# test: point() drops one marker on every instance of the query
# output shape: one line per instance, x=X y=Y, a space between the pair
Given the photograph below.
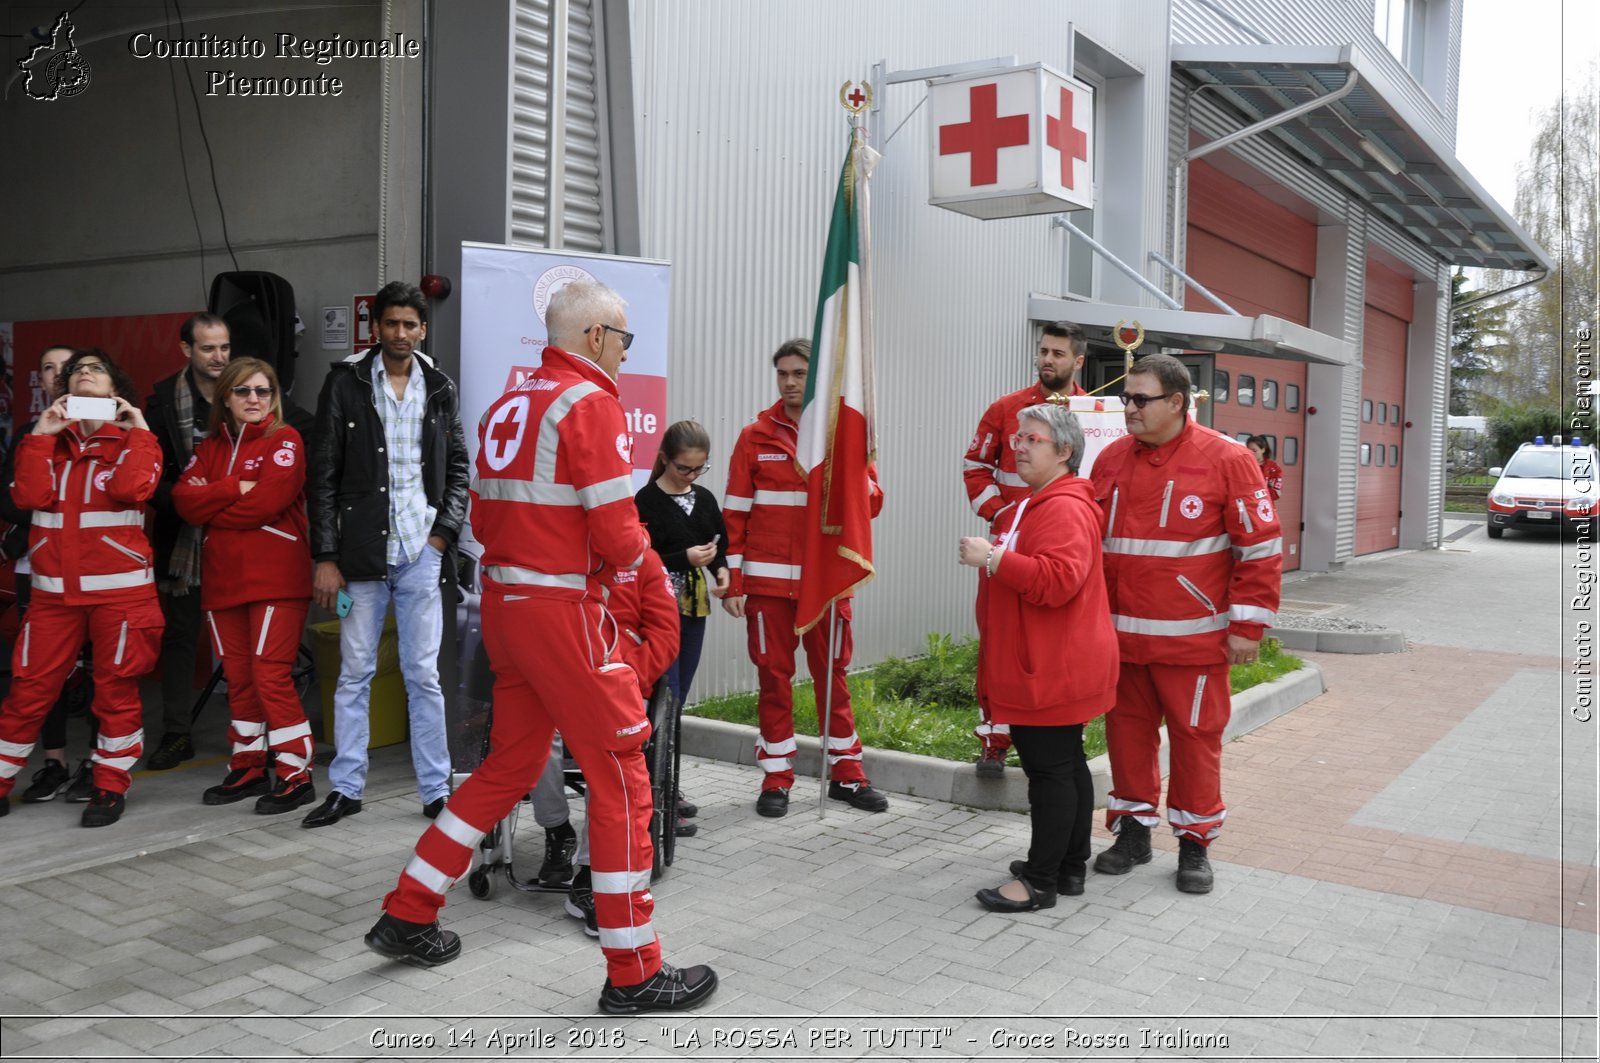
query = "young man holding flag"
x=802 y=492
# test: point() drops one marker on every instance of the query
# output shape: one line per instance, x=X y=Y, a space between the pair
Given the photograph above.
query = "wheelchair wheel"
x=663 y=760
x=479 y=882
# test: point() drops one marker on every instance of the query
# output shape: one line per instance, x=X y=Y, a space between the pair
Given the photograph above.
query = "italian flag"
x=838 y=437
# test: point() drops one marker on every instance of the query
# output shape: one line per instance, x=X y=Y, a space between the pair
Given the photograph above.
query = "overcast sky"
x=1516 y=55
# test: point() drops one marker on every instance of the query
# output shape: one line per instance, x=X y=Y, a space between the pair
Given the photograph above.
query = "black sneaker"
x=170 y=752
x=48 y=782
x=773 y=803
x=286 y=797
x=5 y=806
x=82 y=785
x=580 y=901
x=858 y=795
x=560 y=842
x=991 y=763
x=105 y=808
x=239 y=784
x=685 y=828
x=1194 y=869
x=1131 y=847
x=669 y=989
x=422 y=944
x=686 y=808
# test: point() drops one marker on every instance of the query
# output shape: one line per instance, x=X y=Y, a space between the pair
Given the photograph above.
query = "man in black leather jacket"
x=387 y=494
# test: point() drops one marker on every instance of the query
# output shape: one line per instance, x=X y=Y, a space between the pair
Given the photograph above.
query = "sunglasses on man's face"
x=1133 y=398
x=244 y=391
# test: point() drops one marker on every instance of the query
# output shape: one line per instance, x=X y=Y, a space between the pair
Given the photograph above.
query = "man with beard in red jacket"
x=552 y=506
x=990 y=472
x=1193 y=558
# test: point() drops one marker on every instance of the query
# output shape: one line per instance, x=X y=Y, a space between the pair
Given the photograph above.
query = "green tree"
x=1476 y=334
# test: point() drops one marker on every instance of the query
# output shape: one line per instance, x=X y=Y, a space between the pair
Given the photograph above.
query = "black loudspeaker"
x=259 y=310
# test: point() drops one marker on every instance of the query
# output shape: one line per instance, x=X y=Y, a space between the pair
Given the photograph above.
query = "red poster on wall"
x=145 y=345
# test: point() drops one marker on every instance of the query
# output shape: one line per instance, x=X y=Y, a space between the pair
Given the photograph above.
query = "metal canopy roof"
x=1263 y=337
x=1360 y=139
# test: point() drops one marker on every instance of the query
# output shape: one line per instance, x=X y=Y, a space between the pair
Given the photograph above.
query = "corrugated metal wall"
x=740 y=138
x=583 y=202
x=1350 y=401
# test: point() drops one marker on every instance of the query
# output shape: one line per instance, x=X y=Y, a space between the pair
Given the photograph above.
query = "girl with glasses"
x=686 y=529
x=87 y=482
x=246 y=486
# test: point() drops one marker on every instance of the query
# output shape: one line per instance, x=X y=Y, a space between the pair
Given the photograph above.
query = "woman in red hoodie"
x=1047 y=659
x=246 y=485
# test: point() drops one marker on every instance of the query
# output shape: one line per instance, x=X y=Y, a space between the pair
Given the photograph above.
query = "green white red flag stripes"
x=838 y=437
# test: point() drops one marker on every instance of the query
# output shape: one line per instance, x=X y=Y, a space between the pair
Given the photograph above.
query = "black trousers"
x=1060 y=801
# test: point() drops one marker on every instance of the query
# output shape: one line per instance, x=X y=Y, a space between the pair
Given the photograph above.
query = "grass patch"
x=928 y=705
x=1452 y=506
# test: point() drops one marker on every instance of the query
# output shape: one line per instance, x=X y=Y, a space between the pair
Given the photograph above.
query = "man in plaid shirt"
x=388 y=495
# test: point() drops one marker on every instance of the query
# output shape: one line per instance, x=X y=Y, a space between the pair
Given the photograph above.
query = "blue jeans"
x=692 y=631
x=414 y=588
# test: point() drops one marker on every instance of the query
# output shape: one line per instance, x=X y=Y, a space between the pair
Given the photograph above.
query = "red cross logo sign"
x=984 y=133
x=502 y=437
x=1070 y=141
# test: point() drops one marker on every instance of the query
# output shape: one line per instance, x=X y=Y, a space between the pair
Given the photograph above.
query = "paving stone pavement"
x=1392 y=883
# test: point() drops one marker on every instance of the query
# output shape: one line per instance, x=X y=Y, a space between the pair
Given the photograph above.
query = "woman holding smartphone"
x=246 y=486
x=86 y=470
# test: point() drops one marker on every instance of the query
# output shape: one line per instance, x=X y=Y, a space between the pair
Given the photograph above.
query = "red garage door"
x=1258 y=257
x=1383 y=391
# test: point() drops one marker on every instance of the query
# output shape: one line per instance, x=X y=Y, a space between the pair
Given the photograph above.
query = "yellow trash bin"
x=387 y=699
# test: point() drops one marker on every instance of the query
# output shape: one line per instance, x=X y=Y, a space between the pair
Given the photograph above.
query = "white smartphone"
x=88 y=408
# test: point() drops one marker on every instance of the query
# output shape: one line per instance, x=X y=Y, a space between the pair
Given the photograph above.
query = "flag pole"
x=827 y=715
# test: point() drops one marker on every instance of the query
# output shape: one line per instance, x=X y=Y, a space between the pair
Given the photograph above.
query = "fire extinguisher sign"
x=365 y=334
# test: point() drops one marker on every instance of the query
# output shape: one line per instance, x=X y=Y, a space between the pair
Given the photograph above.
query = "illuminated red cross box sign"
x=1012 y=142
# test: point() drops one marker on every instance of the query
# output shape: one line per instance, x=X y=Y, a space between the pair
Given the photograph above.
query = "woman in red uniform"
x=246 y=485
x=87 y=481
x=1047 y=659
x=1271 y=471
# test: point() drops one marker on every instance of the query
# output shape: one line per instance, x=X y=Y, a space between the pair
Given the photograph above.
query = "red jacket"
x=1193 y=551
x=1272 y=472
x=1048 y=654
x=552 y=492
x=257 y=547
x=765 y=507
x=646 y=610
x=87 y=495
x=990 y=467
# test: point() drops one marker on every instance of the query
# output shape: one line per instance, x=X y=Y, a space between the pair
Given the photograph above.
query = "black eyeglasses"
x=627 y=337
x=1131 y=398
x=244 y=391
x=691 y=470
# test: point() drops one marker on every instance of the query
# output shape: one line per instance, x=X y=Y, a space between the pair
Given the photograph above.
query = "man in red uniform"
x=1193 y=559
x=552 y=506
x=990 y=472
x=765 y=508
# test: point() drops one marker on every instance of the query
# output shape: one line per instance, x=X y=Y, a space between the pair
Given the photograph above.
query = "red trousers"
x=127 y=642
x=257 y=643
x=769 y=626
x=1194 y=701
x=551 y=673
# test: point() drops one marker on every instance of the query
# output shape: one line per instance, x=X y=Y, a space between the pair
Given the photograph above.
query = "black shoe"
x=239 y=784
x=1194 y=869
x=773 y=803
x=433 y=808
x=105 y=808
x=336 y=807
x=687 y=809
x=5 y=806
x=82 y=785
x=286 y=797
x=171 y=751
x=560 y=843
x=995 y=901
x=669 y=989
x=580 y=901
x=858 y=795
x=48 y=782
x=684 y=828
x=1131 y=847
x=1067 y=886
x=422 y=944
x=991 y=763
